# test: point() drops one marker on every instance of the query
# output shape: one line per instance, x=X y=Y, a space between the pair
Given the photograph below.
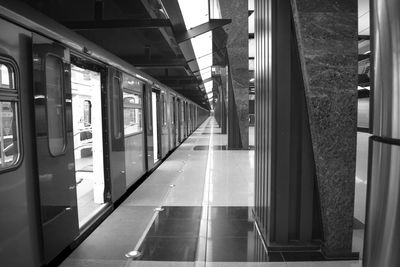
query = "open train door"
x=54 y=145
x=116 y=134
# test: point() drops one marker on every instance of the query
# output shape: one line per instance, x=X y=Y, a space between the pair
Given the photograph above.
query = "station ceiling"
x=141 y=32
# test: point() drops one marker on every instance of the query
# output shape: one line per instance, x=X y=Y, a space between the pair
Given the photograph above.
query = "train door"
x=182 y=119
x=186 y=120
x=135 y=150
x=19 y=218
x=164 y=125
x=190 y=119
x=87 y=81
x=174 y=122
x=178 y=120
x=147 y=99
x=116 y=154
x=156 y=110
x=54 y=145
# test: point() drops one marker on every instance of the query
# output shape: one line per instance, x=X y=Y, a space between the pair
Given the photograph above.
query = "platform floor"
x=205 y=194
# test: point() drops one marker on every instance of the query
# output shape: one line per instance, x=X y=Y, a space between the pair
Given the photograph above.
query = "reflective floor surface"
x=194 y=210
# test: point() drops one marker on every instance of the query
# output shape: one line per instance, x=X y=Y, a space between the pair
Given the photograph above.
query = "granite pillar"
x=220 y=38
x=326 y=33
x=238 y=77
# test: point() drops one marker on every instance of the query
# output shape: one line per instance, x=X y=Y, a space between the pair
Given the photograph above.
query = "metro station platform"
x=195 y=209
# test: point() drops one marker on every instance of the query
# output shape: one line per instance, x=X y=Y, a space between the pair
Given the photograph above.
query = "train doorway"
x=155 y=98
x=88 y=141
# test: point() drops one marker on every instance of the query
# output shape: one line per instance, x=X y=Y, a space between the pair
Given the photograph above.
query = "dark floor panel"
x=274 y=256
x=169 y=249
x=231 y=213
x=115 y=236
x=357 y=225
x=234 y=249
x=303 y=256
x=174 y=228
x=208 y=147
x=181 y=234
x=193 y=213
x=230 y=228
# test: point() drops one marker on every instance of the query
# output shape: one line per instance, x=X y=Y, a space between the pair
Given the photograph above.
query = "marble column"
x=326 y=33
x=237 y=50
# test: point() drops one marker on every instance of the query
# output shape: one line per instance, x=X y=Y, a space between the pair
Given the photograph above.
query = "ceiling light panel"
x=194 y=12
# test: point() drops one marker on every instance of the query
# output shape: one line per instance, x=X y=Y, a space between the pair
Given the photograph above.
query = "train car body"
x=78 y=128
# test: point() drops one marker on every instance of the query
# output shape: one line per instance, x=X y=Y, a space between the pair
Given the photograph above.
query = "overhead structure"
x=153 y=35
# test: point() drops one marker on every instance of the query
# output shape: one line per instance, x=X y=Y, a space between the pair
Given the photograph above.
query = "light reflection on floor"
x=231 y=183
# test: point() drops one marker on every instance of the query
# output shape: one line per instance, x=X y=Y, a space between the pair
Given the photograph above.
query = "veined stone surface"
x=327 y=38
x=238 y=53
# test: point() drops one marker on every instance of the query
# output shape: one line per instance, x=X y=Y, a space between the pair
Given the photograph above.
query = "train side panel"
x=20 y=242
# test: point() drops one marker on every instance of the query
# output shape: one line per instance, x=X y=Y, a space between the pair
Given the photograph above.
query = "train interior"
x=8 y=138
x=133 y=128
x=88 y=141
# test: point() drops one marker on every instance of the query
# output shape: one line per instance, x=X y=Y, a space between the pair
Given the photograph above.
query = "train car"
x=78 y=128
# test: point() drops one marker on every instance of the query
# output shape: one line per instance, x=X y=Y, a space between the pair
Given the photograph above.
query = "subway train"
x=78 y=128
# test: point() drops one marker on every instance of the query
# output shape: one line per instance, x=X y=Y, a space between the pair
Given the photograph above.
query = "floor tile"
x=231 y=249
x=326 y=264
x=164 y=264
x=93 y=263
x=181 y=213
x=246 y=264
x=174 y=228
x=235 y=213
x=302 y=256
x=230 y=228
x=123 y=229
x=169 y=249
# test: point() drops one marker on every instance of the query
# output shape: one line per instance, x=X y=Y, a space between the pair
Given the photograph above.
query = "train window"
x=87 y=113
x=55 y=104
x=6 y=77
x=164 y=110
x=132 y=113
x=116 y=108
x=9 y=142
x=171 y=105
x=9 y=131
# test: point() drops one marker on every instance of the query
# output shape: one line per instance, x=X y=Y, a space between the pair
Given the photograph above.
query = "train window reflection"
x=164 y=109
x=6 y=77
x=9 y=145
x=116 y=107
x=132 y=113
x=87 y=113
x=9 y=131
x=55 y=104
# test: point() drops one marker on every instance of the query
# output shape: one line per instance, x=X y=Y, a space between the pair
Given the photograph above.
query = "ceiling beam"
x=154 y=10
x=177 y=78
x=208 y=80
x=183 y=83
x=364 y=37
x=191 y=86
x=178 y=25
x=156 y=63
x=363 y=56
x=203 y=28
x=111 y=24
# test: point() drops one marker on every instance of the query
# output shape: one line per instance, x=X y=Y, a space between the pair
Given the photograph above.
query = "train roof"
x=25 y=16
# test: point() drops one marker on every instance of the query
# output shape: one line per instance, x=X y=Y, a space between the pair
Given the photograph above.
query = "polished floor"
x=194 y=210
